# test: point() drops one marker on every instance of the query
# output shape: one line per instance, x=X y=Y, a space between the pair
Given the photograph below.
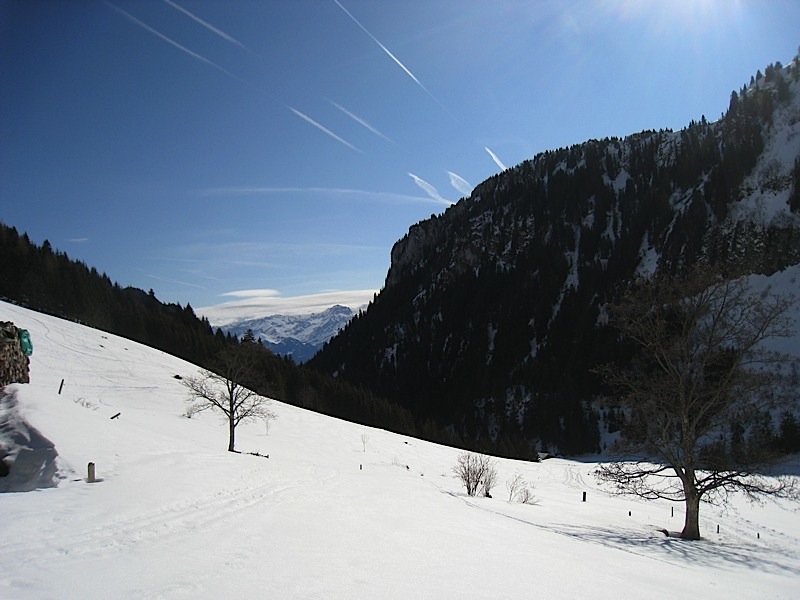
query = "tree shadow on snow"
x=704 y=552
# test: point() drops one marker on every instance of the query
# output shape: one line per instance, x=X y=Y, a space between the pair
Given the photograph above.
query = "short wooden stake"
x=671 y=511
x=90 y=478
x=61 y=387
x=717 y=528
x=758 y=536
x=584 y=496
x=629 y=513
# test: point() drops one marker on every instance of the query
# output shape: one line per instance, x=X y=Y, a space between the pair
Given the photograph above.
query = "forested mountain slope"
x=491 y=318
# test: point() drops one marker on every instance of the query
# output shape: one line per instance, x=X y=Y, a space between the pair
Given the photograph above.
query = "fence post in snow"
x=61 y=387
x=90 y=478
x=584 y=496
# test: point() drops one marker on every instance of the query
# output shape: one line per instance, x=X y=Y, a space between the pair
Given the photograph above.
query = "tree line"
x=47 y=280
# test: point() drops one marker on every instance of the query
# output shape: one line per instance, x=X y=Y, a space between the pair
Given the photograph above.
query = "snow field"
x=176 y=516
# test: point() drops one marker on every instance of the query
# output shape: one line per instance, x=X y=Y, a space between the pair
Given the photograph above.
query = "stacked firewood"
x=13 y=362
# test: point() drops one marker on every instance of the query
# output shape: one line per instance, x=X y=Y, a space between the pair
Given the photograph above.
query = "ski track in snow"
x=177 y=519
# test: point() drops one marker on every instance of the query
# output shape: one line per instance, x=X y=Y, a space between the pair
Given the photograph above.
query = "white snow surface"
x=176 y=516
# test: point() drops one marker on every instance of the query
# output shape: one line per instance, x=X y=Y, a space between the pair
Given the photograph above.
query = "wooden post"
x=584 y=496
x=671 y=511
x=61 y=387
x=717 y=528
x=90 y=478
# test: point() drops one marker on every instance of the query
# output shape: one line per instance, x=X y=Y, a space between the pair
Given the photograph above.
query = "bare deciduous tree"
x=514 y=485
x=519 y=490
x=476 y=471
x=489 y=478
x=223 y=390
x=699 y=376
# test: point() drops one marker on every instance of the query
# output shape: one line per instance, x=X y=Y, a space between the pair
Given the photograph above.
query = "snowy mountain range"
x=336 y=511
x=296 y=336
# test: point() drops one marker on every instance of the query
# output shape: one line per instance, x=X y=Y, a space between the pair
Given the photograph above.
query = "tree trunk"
x=691 y=526
x=231 y=435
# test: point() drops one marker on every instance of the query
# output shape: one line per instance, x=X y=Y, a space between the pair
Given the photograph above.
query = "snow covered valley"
x=328 y=514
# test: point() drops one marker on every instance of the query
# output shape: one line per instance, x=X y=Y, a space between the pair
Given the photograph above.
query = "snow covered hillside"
x=326 y=515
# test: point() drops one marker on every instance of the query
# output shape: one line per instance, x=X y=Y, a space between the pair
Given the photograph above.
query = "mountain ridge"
x=490 y=318
x=296 y=336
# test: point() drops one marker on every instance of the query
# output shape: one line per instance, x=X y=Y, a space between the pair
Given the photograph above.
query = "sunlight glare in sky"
x=289 y=145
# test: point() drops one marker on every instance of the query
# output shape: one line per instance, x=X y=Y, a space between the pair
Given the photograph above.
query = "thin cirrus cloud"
x=429 y=189
x=361 y=121
x=323 y=129
x=323 y=191
x=251 y=304
x=172 y=42
x=461 y=185
x=395 y=59
x=171 y=280
x=207 y=25
x=496 y=160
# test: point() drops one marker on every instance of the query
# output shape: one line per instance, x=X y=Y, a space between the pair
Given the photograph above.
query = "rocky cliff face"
x=491 y=319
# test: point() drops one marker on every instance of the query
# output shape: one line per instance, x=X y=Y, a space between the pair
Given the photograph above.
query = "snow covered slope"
x=326 y=516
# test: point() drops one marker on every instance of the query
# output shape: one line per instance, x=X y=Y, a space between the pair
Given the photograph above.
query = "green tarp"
x=25 y=342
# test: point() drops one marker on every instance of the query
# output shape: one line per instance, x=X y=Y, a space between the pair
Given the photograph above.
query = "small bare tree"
x=514 y=485
x=476 y=471
x=699 y=376
x=489 y=478
x=364 y=440
x=223 y=390
x=519 y=490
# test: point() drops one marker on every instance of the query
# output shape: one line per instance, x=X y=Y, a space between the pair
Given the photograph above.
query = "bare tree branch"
x=698 y=379
x=224 y=390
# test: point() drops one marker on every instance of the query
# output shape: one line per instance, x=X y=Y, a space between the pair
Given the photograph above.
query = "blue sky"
x=209 y=149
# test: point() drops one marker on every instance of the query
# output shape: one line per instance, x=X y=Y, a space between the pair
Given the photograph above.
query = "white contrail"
x=395 y=59
x=207 y=25
x=429 y=189
x=184 y=49
x=333 y=192
x=322 y=128
x=360 y=121
x=496 y=160
x=460 y=184
x=170 y=280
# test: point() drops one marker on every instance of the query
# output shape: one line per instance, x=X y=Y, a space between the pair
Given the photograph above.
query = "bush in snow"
x=520 y=490
x=476 y=471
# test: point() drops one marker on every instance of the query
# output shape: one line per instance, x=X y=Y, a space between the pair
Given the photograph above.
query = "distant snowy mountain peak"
x=297 y=336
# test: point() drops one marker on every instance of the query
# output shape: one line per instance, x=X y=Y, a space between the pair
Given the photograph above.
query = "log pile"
x=13 y=362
